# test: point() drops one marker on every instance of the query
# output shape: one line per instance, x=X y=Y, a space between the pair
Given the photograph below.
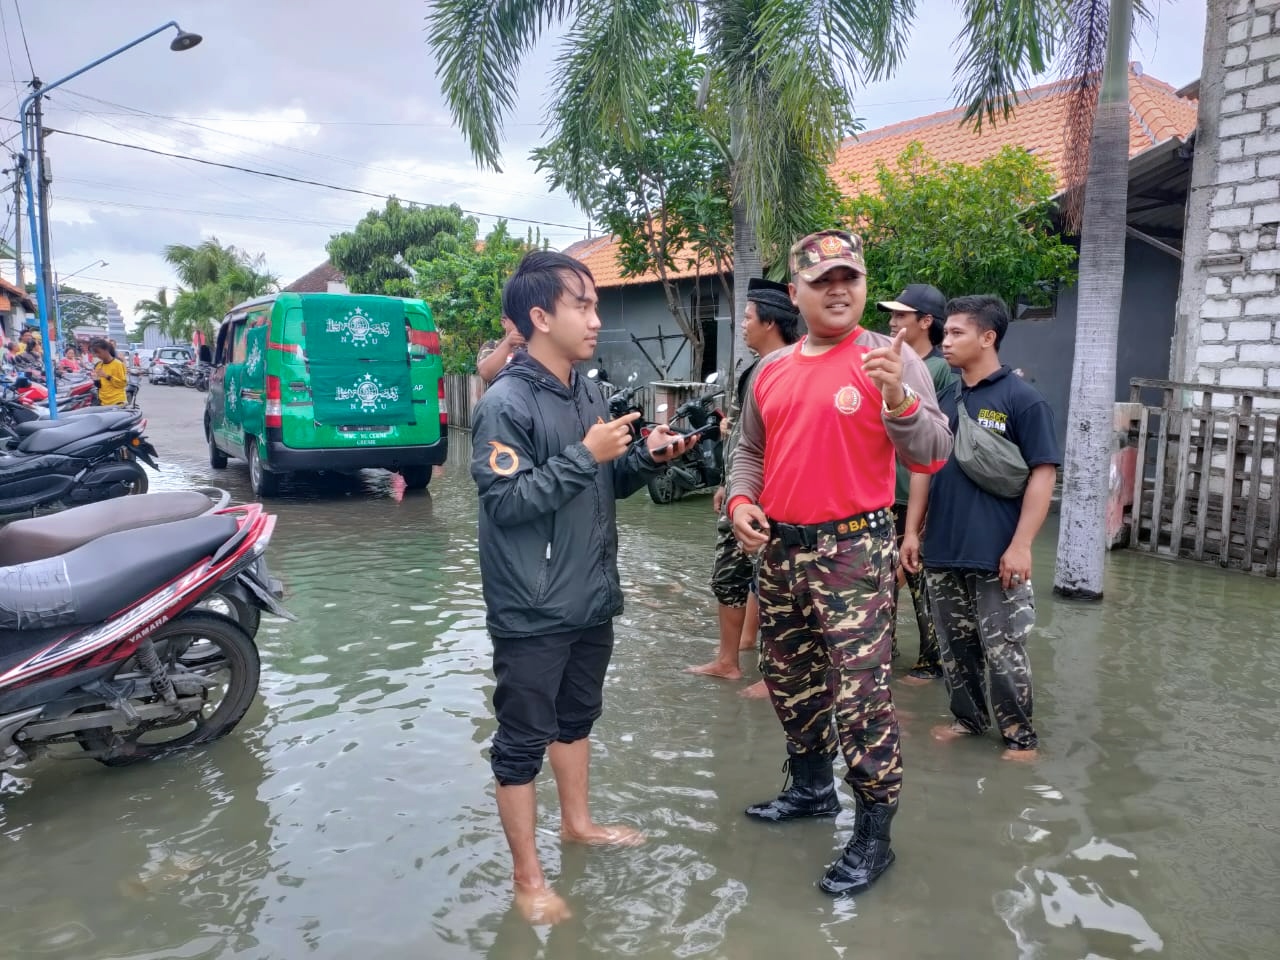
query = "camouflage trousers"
x=929 y=658
x=826 y=624
x=982 y=632
x=734 y=571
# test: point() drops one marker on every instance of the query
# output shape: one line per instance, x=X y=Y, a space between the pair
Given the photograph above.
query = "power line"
x=13 y=73
x=358 y=164
x=303 y=180
x=23 y=28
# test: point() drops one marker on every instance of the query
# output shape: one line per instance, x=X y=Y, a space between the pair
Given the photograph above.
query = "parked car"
x=335 y=382
x=169 y=356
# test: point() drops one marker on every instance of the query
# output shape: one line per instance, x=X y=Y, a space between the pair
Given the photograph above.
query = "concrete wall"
x=1229 y=313
x=641 y=310
x=1045 y=349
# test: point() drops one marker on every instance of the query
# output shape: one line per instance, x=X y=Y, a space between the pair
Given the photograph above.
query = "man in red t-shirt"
x=813 y=487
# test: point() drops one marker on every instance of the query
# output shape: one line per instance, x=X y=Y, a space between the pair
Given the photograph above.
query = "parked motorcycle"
x=102 y=647
x=623 y=401
x=196 y=374
x=167 y=374
x=54 y=534
x=700 y=467
x=80 y=459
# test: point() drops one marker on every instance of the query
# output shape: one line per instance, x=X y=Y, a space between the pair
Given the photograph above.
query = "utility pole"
x=42 y=186
x=17 y=226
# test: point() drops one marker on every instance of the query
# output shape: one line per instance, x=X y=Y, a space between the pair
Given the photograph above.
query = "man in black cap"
x=770 y=322
x=919 y=310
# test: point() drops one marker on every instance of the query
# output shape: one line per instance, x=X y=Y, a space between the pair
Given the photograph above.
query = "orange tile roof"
x=1156 y=113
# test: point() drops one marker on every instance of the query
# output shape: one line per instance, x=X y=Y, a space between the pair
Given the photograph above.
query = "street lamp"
x=182 y=41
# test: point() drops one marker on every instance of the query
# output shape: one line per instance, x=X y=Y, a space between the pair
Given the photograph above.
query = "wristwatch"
x=908 y=398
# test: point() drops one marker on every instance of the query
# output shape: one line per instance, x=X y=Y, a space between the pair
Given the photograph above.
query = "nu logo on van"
x=358 y=328
x=368 y=394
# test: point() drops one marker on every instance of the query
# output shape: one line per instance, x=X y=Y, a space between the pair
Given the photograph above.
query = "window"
x=223 y=349
x=240 y=338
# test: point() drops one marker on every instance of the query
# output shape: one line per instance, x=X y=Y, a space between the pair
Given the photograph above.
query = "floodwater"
x=351 y=815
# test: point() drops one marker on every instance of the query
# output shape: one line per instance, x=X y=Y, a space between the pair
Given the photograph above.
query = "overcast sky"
x=325 y=90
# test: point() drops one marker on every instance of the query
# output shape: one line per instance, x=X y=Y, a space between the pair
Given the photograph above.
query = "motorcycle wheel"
x=141 y=484
x=248 y=616
x=205 y=644
x=662 y=489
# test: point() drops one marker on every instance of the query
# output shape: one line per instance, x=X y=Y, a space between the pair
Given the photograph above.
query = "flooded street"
x=351 y=814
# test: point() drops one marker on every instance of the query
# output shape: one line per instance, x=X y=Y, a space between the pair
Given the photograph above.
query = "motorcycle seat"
x=91 y=583
x=57 y=533
x=58 y=435
x=114 y=418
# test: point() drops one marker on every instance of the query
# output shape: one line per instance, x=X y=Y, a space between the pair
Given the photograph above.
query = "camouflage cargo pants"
x=982 y=632
x=826 y=623
x=929 y=658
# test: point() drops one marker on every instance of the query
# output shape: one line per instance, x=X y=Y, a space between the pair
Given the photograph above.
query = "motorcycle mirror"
x=713 y=377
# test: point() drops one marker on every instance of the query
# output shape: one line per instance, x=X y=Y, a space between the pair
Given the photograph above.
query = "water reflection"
x=352 y=815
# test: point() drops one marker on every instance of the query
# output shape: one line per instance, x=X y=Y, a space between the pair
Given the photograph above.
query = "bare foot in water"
x=1021 y=756
x=725 y=671
x=540 y=905
x=757 y=691
x=946 y=732
x=599 y=835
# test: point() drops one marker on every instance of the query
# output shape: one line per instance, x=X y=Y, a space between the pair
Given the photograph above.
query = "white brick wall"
x=1238 y=341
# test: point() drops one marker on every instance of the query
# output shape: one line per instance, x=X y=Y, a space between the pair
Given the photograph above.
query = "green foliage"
x=965 y=229
x=156 y=313
x=214 y=278
x=77 y=307
x=377 y=255
x=463 y=287
x=660 y=182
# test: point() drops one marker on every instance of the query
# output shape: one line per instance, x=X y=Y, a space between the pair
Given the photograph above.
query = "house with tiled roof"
x=1161 y=123
x=325 y=278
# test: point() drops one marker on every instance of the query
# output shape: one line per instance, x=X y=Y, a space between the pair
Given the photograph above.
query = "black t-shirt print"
x=967 y=527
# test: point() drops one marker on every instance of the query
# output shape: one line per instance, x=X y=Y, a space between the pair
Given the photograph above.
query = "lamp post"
x=57 y=297
x=39 y=244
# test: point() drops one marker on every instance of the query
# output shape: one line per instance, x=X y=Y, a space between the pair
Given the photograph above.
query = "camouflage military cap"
x=825 y=250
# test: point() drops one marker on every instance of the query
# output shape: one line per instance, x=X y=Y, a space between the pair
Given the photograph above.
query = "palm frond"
x=865 y=39
x=478 y=46
x=1003 y=43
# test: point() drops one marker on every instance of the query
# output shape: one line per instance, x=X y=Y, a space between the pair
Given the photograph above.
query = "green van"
x=323 y=381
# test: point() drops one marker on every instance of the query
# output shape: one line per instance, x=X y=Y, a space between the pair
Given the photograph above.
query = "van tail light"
x=444 y=406
x=274 y=409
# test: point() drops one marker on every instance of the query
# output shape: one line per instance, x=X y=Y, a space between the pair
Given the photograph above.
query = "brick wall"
x=1229 y=310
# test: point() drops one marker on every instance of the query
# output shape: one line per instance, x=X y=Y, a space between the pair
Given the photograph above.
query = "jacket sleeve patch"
x=503 y=460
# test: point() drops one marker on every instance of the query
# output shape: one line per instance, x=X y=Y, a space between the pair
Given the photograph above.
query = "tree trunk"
x=746 y=244
x=1087 y=465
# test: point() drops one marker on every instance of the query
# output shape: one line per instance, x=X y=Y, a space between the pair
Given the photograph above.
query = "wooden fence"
x=462 y=392
x=1204 y=473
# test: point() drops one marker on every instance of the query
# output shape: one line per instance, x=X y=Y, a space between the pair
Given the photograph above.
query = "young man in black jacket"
x=549 y=467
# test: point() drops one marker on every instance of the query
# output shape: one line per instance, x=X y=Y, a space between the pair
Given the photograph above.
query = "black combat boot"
x=867 y=854
x=812 y=792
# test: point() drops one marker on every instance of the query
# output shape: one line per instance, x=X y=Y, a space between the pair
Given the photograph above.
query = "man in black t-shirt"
x=977 y=548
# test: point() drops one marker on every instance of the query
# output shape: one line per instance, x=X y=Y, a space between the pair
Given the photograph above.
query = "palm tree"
x=1099 y=48
x=215 y=279
x=783 y=72
x=156 y=313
